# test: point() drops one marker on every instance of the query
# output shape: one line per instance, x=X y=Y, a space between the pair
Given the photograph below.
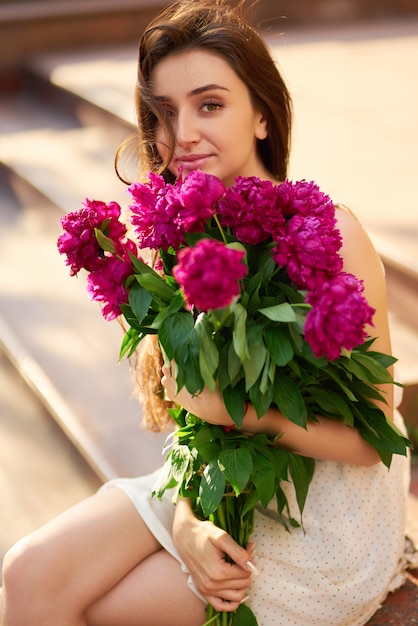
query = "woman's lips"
x=192 y=162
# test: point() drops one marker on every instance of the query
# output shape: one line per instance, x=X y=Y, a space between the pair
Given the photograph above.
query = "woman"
x=209 y=97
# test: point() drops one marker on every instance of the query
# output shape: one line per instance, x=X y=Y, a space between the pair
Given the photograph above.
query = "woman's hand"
x=203 y=547
x=208 y=405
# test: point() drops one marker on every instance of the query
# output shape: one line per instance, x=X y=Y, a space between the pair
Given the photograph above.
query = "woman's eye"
x=209 y=107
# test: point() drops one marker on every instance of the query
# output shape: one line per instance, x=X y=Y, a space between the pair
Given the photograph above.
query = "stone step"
x=66 y=156
x=60 y=343
x=27 y=28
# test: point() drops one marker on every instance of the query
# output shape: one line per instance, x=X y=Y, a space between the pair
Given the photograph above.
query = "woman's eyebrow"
x=195 y=92
x=211 y=87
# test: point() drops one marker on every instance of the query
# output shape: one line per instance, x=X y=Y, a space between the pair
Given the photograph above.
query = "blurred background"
x=67 y=76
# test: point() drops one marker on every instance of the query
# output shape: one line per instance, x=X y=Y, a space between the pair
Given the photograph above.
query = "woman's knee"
x=23 y=569
x=30 y=582
x=34 y=588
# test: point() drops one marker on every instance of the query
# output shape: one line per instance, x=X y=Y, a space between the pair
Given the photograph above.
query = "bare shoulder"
x=349 y=224
x=359 y=254
x=361 y=259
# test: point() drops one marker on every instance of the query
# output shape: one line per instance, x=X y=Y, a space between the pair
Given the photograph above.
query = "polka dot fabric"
x=338 y=567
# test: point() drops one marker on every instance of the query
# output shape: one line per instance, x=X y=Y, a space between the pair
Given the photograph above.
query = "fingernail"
x=245 y=599
x=252 y=568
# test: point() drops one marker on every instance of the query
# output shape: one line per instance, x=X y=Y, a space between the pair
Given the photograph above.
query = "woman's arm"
x=361 y=259
x=327 y=439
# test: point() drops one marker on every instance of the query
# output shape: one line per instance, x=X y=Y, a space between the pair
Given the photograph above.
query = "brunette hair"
x=218 y=27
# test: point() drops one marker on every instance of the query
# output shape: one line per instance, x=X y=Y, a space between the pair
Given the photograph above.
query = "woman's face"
x=214 y=122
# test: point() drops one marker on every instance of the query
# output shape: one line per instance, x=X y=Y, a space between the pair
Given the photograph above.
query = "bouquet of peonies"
x=249 y=295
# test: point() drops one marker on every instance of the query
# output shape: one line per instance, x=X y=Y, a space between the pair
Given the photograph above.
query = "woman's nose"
x=186 y=129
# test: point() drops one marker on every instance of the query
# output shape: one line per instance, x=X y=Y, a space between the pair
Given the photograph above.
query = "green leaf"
x=188 y=366
x=212 y=487
x=280 y=462
x=179 y=416
x=377 y=372
x=165 y=480
x=139 y=301
x=264 y=479
x=244 y=616
x=251 y=501
x=106 y=243
x=279 y=345
x=179 y=342
x=156 y=285
x=335 y=375
x=365 y=390
x=261 y=401
x=288 y=398
x=234 y=363
x=381 y=433
x=234 y=398
x=332 y=403
x=384 y=359
x=237 y=465
x=130 y=342
x=208 y=353
x=239 y=336
x=181 y=463
x=279 y=313
x=266 y=265
x=174 y=335
x=175 y=305
x=193 y=238
x=301 y=470
x=223 y=375
x=205 y=444
x=352 y=366
x=297 y=337
x=295 y=297
x=236 y=245
x=140 y=266
x=254 y=363
x=282 y=503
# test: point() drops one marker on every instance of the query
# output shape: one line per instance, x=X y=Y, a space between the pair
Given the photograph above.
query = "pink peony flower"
x=304 y=198
x=199 y=193
x=79 y=242
x=163 y=213
x=308 y=248
x=250 y=209
x=107 y=285
x=209 y=274
x=338 y=316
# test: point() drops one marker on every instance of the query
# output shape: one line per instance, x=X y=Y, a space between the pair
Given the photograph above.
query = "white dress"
x=338 y=569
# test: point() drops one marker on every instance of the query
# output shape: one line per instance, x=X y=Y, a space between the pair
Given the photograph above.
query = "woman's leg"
x=155 y=593
x=54 y=575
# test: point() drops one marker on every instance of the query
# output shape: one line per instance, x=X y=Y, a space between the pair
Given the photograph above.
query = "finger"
x=224 y=605
x=224 y=586
x=166 y=369
x=240 y=556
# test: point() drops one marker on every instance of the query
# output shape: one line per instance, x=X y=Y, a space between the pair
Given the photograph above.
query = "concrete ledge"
x=30 y=11
x=320 y=11
x=30 y=28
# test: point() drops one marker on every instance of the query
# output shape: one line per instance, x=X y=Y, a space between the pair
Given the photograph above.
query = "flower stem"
x=218 y=224
x=212 y=619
